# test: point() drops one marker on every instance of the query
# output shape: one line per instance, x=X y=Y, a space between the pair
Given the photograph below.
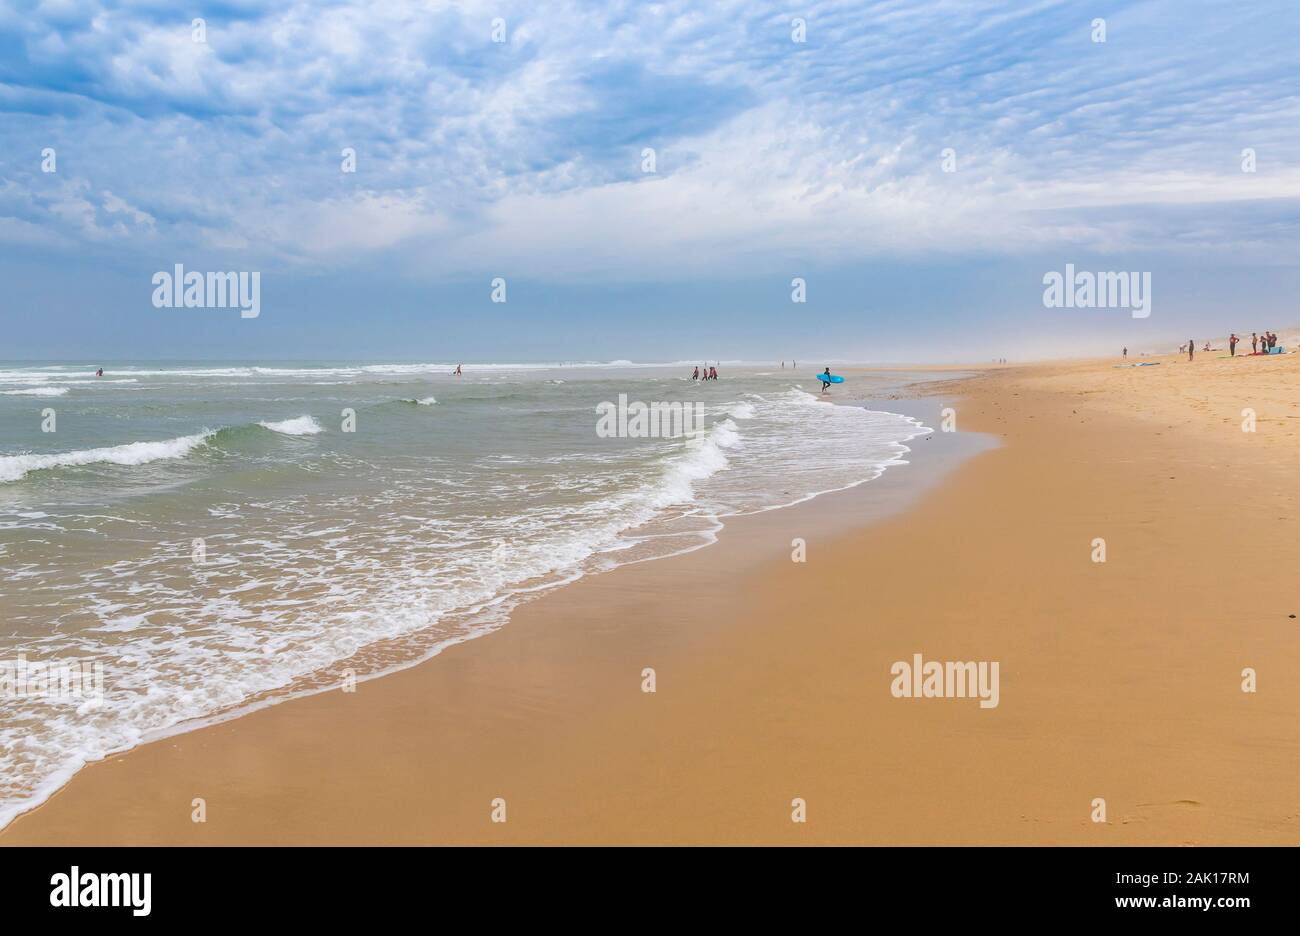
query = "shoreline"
x=773 y=677
x=902 y=489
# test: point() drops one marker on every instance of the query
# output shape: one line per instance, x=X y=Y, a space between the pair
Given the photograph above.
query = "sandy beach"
x=1119 y=680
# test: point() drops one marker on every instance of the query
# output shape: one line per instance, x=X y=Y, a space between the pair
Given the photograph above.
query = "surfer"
x=826 y=379
x=100 y=372
x=456 y=372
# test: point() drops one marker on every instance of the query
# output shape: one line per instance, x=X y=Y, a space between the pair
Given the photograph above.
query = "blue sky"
x=523 y=159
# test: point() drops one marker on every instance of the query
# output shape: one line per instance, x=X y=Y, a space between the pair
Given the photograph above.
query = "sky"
x=920 y=166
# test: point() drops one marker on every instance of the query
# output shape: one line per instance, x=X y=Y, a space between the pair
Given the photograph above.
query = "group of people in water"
x=710 y=373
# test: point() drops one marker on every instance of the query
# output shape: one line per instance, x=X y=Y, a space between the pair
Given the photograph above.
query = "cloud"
x=474 y=155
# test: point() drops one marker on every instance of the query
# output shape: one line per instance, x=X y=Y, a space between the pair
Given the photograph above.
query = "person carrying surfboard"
x=826 y=379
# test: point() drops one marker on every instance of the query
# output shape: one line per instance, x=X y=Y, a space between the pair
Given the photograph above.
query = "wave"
x=427 y=401
x=302 y=425
x=16 y=467
x=37 y=391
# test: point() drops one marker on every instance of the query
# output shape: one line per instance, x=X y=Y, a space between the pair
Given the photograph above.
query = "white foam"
x=427 y=401
x=302 y=425
x=15 y=467
x=37 y=391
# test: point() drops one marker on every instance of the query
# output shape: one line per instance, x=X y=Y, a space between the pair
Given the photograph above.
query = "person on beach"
x=456 y=372
x=826 y=380
x=713 y=373
x=1254 y=343
x=1191 y=348
x=1126 y=353
x=695 y=375
x=1272 y=342
x=1232 y=344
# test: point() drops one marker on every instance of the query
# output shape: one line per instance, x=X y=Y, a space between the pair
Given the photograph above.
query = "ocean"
x=217 y=537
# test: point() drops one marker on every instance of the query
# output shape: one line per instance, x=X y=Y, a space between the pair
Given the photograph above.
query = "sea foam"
x=16 y=467
x=302 y=425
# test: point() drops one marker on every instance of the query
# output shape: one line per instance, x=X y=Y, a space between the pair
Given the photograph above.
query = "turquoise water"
x=216 y=538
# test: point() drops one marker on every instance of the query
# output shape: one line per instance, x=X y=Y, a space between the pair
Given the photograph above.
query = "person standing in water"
x=826 y=379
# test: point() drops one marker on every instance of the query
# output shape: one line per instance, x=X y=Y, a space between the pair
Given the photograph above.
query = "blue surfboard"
x=833 y=378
